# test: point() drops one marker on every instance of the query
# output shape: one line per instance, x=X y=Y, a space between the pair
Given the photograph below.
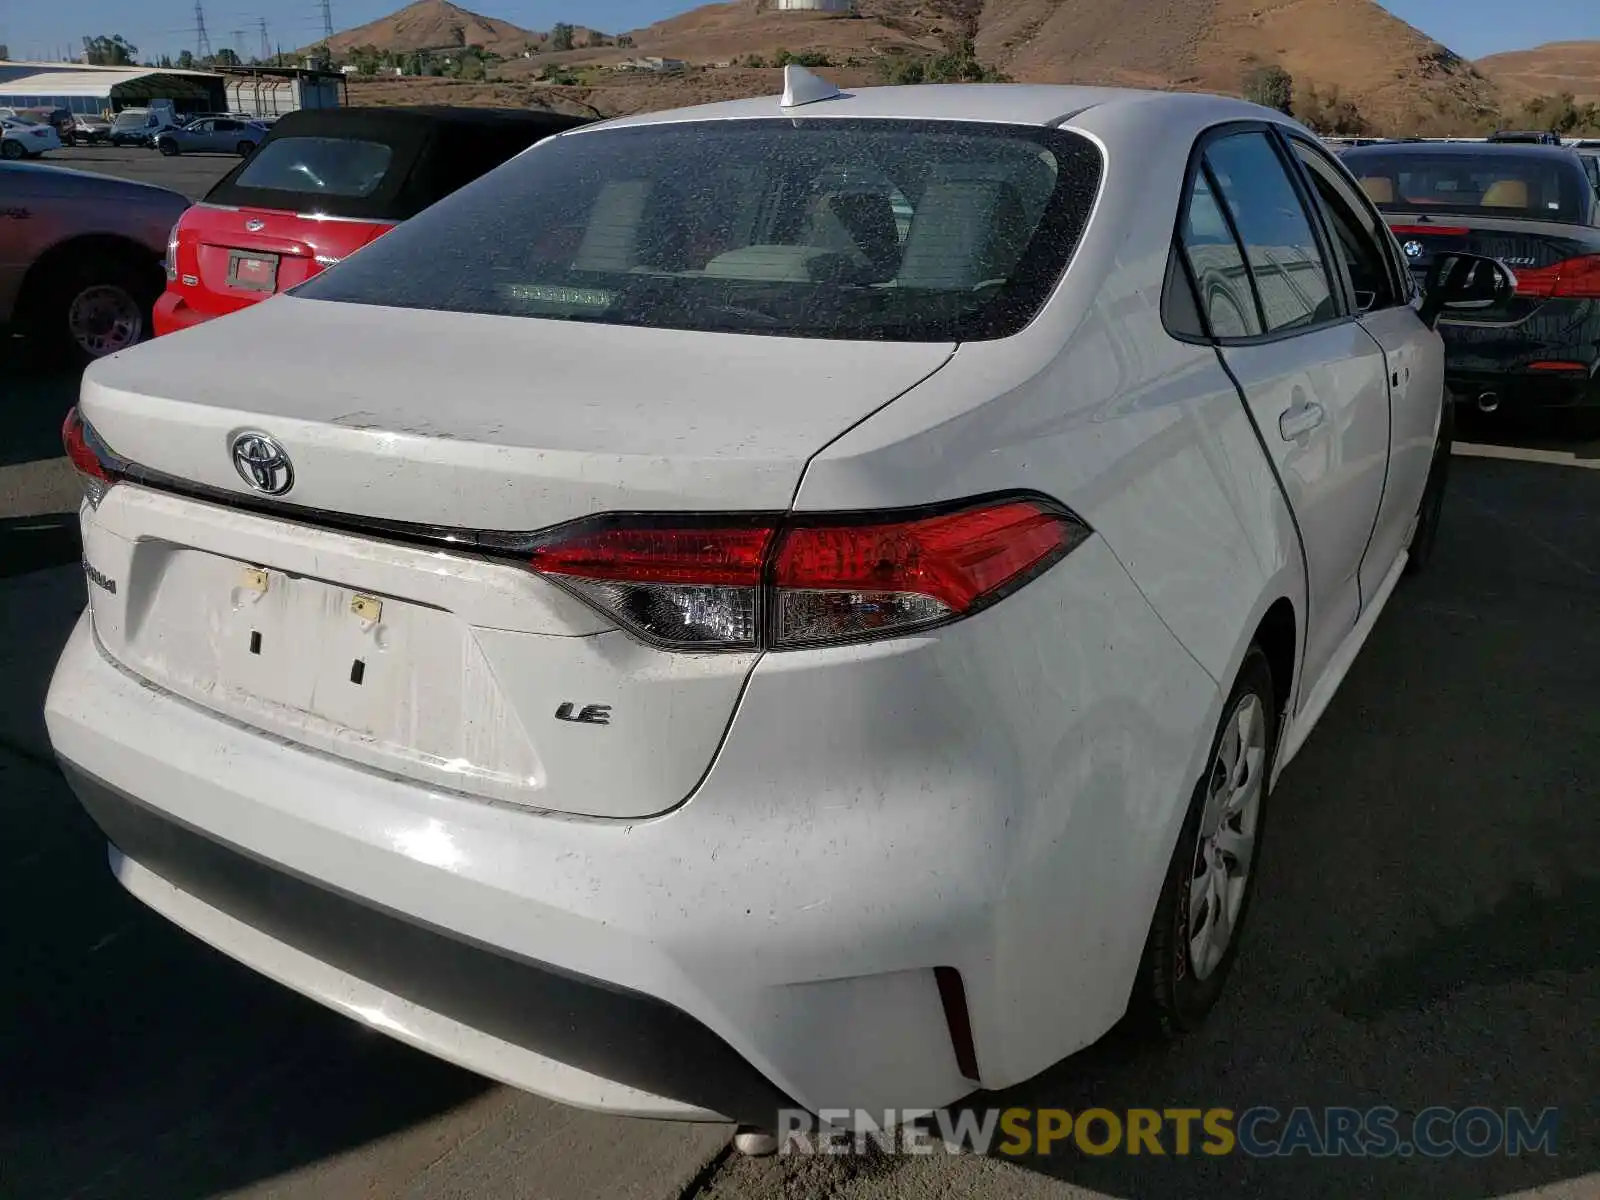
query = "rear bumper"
x=1000 y=799
x=173 y=313
x=1525 y=390
x=594 y=1030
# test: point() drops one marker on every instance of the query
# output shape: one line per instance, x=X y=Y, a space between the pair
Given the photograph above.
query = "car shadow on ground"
x=34 y=399
x=1427 y=926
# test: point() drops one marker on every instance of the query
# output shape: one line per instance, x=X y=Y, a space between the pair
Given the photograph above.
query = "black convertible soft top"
x=433 y=151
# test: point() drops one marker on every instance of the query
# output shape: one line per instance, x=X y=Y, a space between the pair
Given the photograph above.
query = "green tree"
x=185 y=60
x=561 y=36
x=226 y=57
x=1270 y=87
x=113 y=51
x=5 y=51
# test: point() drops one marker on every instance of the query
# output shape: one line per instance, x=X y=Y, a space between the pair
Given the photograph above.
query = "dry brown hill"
x=1394 y=72
x=439 y=25
x=1401 y=79
x=1549 y=69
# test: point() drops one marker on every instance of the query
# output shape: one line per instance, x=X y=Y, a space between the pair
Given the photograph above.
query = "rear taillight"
x=747 y=583
x=89 y=458
x=1573 y=278
x=1429 y=230
x=172 y=252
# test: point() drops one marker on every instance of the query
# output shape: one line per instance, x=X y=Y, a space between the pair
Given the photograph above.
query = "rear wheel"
x=89 y=306
x=245 y=149
x=1194 y=936
x=1431 y=510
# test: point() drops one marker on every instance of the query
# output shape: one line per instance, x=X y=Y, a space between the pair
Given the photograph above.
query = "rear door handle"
x=1296 y=422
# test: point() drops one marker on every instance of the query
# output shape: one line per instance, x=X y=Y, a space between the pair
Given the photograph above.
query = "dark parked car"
x=1532 y=207
x=80 y=256
x=324 y=183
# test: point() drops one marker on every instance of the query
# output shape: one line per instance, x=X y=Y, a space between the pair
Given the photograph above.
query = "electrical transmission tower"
x=238 y=43
x=202 y=40
x=327 y=20
x=266 y=47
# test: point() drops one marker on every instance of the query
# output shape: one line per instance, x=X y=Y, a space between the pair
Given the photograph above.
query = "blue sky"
x=1470 y=27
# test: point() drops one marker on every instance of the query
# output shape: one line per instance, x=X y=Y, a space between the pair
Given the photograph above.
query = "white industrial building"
x=85 y=89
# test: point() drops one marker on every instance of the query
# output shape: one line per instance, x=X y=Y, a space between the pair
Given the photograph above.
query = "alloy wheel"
x=103 y=319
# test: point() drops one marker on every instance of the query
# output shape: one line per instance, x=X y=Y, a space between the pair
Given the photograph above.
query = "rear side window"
x=1535 y=186
x=829 y=228
x=1285 y=259
x=1218 y=267
x=318 y=166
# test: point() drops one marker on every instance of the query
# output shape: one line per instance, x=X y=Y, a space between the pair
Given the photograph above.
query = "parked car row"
x=799 y=602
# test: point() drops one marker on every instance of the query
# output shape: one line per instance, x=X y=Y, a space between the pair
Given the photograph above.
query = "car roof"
x=1463 y=150
x=1000 y=103
x=414 y=120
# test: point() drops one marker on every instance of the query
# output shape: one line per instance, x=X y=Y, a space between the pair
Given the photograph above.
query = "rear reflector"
x=1574 y=368
x=744 y=583
x=1574 y=278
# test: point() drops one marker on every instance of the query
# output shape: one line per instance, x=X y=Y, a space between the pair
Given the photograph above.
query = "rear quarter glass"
x=824 y=228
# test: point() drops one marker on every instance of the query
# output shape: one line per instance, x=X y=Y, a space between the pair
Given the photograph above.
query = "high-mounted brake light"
x=1573 y=279
x=84 y=451
x=763 y=581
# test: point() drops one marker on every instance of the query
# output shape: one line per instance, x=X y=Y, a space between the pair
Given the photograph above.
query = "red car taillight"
x=746 y=583
x=88 y=456
x=1573 y=278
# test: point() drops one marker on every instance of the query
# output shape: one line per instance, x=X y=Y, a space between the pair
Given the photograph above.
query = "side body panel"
x=1415 y=359
x=1333 y=381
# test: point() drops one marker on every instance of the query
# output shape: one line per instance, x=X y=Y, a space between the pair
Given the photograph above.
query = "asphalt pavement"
x=190 y=174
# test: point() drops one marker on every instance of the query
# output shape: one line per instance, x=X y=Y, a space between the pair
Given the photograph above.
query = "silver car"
x=216 y=135
x=81 y=257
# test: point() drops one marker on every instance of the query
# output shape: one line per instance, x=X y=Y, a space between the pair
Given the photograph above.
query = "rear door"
x=1381 y=291
x=1315 y=382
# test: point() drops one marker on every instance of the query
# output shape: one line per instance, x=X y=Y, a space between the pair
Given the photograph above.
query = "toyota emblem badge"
x=262 y=463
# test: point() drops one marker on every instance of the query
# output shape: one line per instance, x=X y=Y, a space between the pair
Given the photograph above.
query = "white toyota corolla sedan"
x=799 y=602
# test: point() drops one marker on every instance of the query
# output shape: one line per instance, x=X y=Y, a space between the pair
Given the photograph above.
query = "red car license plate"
x=253 y=272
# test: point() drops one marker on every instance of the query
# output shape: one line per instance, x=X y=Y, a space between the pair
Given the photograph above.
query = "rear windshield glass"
x=913 y=231
x=1505 y=185
x=318 y=166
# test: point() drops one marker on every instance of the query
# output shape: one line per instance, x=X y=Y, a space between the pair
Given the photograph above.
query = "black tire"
x=12 y=151
x=1170 y=998
x=48 y=303
x=167 y=146
x=1431 y=510
x=245 y=149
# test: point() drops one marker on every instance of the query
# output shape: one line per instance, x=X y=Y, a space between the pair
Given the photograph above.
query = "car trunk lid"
x=313 y=618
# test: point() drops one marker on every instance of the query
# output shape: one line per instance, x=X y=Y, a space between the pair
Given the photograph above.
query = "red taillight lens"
x=840 y=582
x=81 y=444
x=688 y=585
x=810 y=581
x=1573 y=279
x=1429 y=230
